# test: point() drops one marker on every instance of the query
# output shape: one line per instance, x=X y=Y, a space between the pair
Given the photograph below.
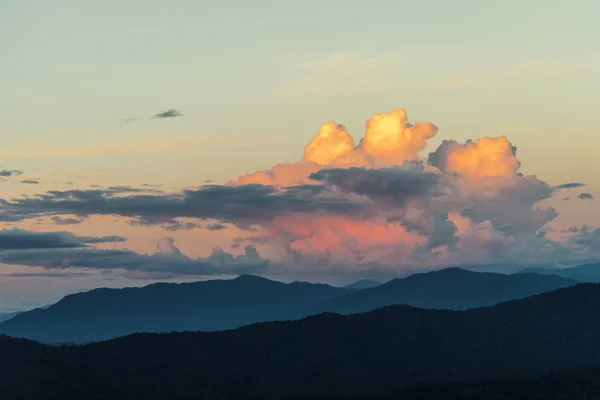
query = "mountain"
x=7 y=316
x=582 y=383
x=362 y=284
x=372 y=353
x=583 y=273
x=451 y=288
x=103 y=314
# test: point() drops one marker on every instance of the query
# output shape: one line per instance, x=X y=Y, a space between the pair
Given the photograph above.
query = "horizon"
x=145 y=144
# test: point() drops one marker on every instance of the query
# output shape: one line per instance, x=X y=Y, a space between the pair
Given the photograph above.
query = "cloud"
x=47 y=274
x=588 y=238
x=101 y=239
x=167 y=259
x=377 y=204
x=586 y=196
x=30 y=181
x=390 y=184
x=5 y=173
x=175 y=225
x=66 y=221
x=215 y=227
x=241 y=205
x=571 y=229
x=389 y=140
x=570 y=185
x=172 y=113
x=19 y=239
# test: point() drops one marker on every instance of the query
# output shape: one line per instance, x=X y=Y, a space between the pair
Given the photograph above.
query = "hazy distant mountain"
x=451 y=288
x=362 y=284
x=7 y=316
x=103 y=314
x=583 y=273
x=381 y=351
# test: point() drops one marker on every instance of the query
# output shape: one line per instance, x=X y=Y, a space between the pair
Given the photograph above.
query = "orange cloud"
x=389 y=140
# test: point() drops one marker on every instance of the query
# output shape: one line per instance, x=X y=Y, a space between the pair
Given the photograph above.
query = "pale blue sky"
x=256 y=79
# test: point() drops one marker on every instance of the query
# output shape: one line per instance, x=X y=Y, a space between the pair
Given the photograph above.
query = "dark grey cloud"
x=175 y=225
x=5 y=173
x=241 y=205
x=172 y=113
x=395 y=183
x=570 y=185
x=571 y=229
x=19 y=239
x=219 y=262
x=66 y=220
x=215 y=227
x=586 y=196
x=47 y=274
x=101 y=239
x=30 y=181
x=587 y=237
x=129 y=189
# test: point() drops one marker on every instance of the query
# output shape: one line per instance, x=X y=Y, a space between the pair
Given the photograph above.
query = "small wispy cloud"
x=570 y=185
x=586 y=196
x=66 y=220
x=172 y=113
x=5 y=173
x=30 y=182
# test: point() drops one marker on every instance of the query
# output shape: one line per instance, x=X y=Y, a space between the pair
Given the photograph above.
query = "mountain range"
x=103 y=314
x=7 y=315
x=583 y=273
x=372 y=353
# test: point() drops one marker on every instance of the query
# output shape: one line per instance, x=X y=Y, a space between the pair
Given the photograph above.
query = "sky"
x=140 y=124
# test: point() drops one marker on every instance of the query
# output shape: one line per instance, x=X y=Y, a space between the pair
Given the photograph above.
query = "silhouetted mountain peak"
x=362 y=284
x=252 y=279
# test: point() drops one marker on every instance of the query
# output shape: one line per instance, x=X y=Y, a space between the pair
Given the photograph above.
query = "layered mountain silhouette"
x=581 y=383
x=451 y=288
x=378 y=352
x=583 y=273
x=103 y=314
x=362 y=284
x=7 y=316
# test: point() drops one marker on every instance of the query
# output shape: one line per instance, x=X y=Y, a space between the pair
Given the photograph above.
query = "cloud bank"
x=375 y=205
x=57 y=251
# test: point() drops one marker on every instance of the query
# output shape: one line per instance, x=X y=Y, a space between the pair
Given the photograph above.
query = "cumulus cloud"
x=172 y=113
x=30 y=182
x=389 y=140
x=19 y=239
x=586 y=196
x=376 y=205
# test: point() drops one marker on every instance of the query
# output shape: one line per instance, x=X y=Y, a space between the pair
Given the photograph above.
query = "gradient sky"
x=80 y=81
